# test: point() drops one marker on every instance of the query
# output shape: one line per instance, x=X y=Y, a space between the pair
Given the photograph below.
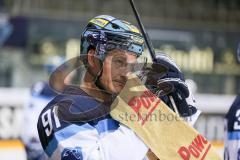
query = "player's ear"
x=90 y=57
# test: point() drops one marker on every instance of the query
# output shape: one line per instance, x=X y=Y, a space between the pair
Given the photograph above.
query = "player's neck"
x=88 y=85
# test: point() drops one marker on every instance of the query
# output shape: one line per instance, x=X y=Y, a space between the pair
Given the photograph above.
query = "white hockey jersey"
x=66 y=136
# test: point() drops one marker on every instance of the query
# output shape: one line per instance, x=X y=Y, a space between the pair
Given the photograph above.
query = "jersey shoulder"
x=233 y=114
x=73 y=107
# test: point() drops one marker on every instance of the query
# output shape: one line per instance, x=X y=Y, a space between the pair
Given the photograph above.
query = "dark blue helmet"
x=105 y=33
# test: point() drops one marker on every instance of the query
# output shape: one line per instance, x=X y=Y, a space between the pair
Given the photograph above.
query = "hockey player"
x=232 y=128
x=107 y=45
x=232 y=132
x=76 y=124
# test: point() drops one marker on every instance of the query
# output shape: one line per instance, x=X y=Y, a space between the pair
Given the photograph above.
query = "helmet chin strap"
x=98 y=83
x=98 y=76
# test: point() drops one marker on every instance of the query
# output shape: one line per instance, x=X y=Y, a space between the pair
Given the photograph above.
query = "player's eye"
x=119 y=63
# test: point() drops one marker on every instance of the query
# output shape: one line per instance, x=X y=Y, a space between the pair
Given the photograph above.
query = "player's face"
x=116 y=67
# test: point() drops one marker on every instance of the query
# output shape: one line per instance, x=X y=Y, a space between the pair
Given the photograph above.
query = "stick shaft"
x=174 y=105
x=145 y=35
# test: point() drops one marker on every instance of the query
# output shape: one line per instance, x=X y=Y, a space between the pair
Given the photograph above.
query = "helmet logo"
x=137 y=39
x=94 y=35
x=132 y=28
x=99 y=22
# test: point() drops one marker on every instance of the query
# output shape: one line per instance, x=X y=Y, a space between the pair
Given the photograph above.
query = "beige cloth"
x=164 y=132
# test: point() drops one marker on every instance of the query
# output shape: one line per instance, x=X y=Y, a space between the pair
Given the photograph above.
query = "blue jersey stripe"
x=235 y=135
x=101 y=126
x=106 y=125
x=51 y=147
x=63 y=134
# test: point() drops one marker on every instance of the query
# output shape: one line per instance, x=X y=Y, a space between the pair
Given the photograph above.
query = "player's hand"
x=164 y=77
x=166 y=80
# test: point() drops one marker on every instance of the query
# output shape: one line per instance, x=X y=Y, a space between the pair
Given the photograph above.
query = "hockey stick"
x=149 y=44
